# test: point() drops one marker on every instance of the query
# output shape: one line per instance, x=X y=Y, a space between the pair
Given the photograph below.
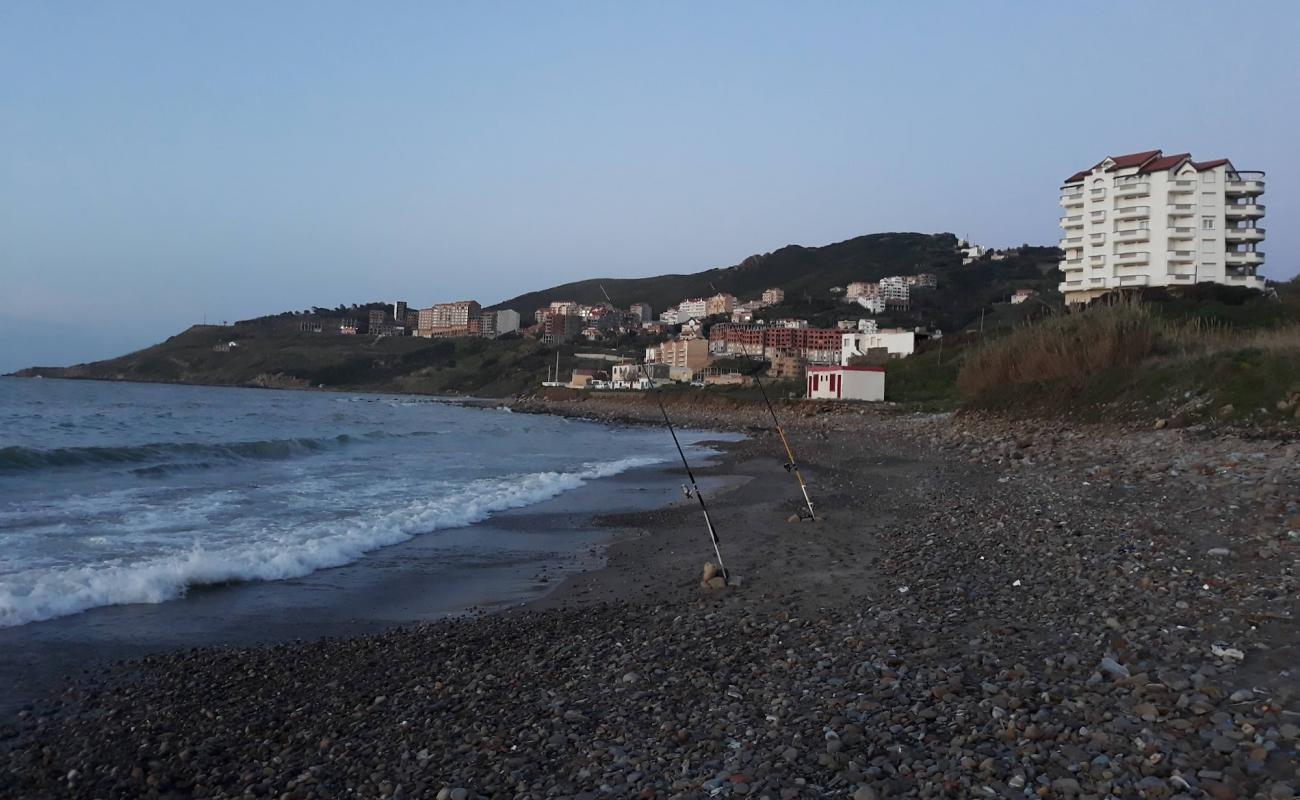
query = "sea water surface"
x=120 y=494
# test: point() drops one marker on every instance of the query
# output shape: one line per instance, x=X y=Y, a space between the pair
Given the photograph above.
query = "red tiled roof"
x=1218 y=162
x=1121 y=162
x=1134 y=159
x=1164 y=163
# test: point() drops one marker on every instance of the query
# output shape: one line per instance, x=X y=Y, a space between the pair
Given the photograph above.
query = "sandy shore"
x=983 y=610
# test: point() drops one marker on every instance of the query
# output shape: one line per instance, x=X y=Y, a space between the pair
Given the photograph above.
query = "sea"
x=139 y=516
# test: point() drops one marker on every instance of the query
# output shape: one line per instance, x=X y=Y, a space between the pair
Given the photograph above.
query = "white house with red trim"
x=846 y=383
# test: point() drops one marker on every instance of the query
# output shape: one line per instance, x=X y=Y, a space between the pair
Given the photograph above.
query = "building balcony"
x=1244 y=278
x=1245 y=184
x=1132 y=259
x=1097 y=238
x=1244 y=235
x=1247 y=211
x=1133 y=212
x=1246 y=258
x=1075 y=221
x=1132 y=188
x=1096 y=262
x=1071 y=243
x=1096 y=194
x=1181 y=234
x=1132 y=235
x=1134 y=280
x=1180 y=256
x=1072 y=199
x=1182 y=187
x=1182 y=210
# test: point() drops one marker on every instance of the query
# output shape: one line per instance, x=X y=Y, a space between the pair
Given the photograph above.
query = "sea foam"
x=46 y=593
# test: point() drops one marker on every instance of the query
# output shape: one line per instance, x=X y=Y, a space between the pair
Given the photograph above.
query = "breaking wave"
x=24 y=459
x=47 y=593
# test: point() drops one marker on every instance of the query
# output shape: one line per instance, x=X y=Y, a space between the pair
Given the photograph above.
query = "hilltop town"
x=719 y=339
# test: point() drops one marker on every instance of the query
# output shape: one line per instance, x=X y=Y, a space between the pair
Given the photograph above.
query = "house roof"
x=1117 y=162
x=1164 y=163
x=1201 y=165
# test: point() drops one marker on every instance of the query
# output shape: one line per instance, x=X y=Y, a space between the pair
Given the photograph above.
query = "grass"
x=1128 y=360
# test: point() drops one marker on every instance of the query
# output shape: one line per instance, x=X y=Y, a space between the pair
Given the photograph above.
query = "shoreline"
x=1091 y=607
x=392 y=586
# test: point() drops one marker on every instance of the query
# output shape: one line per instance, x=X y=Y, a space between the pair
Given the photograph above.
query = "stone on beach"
x=1126 y=664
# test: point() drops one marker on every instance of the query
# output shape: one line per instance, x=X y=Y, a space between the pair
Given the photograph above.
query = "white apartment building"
x=694 y=308
x=772 y=297
x=875 y=303
x=1147 y=219
x=507 y=321
x=895 y=291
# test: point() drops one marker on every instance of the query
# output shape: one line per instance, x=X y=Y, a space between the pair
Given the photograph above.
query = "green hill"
x=807 y=274
x=284 y=351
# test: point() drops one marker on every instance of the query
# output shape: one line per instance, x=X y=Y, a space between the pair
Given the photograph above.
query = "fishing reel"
x=790 y=466
x=686 y=490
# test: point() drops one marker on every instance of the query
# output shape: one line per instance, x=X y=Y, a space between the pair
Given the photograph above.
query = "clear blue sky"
x=163 y=161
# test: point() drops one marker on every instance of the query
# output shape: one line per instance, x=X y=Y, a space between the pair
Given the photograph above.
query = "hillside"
x=807 y=275
x=275 y=350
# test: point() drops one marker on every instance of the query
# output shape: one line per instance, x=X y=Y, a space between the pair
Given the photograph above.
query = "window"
x=1143 y=224
x=1207 y=223
x=1209 y=199
x=1209 y=246
x=1208 y=177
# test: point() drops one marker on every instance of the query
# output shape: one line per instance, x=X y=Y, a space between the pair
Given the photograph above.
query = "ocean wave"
x=44 y=594
x=26 y=459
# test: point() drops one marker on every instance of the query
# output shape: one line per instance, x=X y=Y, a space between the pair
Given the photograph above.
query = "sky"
x=163 y=163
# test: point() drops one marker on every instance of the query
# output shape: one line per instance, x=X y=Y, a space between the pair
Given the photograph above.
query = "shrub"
x=1066 y=350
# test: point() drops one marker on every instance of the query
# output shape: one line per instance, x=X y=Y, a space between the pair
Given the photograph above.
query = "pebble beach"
x=983 y=608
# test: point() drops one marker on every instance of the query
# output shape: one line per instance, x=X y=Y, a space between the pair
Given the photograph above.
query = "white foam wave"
x=43 y=594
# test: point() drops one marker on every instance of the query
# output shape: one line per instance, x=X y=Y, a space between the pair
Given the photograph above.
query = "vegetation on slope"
x=1181 y=359
x=807 y=274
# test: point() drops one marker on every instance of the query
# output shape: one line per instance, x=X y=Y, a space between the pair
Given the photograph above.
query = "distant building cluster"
x=893 y=293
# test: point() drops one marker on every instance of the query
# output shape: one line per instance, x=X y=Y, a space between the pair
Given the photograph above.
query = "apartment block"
x=692 y=354
x=860 y=289
x=721 y=303
x=642 y=312
x=449 y=319
x=1147 y=219
x=772 y=297
x=507 y=321
x=695 y=308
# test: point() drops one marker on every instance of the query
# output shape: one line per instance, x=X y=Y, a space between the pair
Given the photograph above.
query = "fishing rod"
x=694 y=490
x=791 y=466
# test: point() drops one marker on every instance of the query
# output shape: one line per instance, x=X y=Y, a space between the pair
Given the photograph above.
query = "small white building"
x=875 y=304
x=896 y=343
x=846 y=383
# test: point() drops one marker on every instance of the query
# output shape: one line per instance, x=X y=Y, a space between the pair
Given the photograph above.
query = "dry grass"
x=1066 y=349
x=1071 y=351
